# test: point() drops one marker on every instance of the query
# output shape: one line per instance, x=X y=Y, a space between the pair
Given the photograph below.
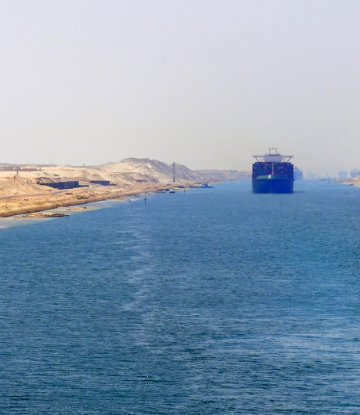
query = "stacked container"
x=276 y=168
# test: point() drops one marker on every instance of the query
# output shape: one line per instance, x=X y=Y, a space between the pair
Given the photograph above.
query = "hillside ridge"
x=164 y=172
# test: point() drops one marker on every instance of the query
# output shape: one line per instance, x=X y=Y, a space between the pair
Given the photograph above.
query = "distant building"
x=61 y=185
x=311 y=176
x=298 y=174
x=102 y=182
x=355 y=173
x=342 y=174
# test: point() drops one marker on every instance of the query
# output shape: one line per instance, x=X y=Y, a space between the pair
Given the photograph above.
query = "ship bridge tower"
x=273 y=157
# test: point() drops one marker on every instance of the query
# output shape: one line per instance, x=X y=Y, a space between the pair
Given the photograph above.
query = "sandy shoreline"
x=20 y=205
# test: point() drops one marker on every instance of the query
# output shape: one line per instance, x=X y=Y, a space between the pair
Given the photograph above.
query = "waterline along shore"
x=20 y=205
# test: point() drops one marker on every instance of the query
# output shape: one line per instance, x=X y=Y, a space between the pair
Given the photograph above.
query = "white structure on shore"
x=354 y=173
x=342 y=174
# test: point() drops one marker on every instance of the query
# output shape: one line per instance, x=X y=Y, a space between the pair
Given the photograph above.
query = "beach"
x=40 y=198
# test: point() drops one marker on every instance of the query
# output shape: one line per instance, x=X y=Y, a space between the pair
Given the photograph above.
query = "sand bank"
x=37 y=202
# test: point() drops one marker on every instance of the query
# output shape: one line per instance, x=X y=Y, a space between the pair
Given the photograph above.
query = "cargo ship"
x=273 y=173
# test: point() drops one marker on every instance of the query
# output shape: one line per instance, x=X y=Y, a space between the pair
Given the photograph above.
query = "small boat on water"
x=172 y=191
x=201 y=186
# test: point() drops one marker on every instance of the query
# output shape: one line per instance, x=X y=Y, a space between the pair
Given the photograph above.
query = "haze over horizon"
x=203 y=83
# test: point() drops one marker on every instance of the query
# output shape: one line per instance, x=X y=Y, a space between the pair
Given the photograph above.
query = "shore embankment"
x=349 y=182
x=24 y=204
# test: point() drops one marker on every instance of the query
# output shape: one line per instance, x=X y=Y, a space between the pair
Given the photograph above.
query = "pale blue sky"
x=205 y=83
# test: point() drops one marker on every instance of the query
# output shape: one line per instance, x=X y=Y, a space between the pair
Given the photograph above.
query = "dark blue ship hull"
x=271 y=184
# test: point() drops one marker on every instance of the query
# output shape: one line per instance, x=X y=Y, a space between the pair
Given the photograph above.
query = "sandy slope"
x=356 y=181
x=36 y=202
x=164 y=172
x=349 y=181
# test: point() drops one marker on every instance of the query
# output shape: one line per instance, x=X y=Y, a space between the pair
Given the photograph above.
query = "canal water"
x=212 y=301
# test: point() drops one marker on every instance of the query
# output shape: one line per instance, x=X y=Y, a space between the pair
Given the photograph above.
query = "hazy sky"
x=205 y=83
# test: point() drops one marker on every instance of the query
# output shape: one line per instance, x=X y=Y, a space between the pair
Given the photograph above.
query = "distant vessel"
x=273 y=173
x=201 y=186
x=298 y=174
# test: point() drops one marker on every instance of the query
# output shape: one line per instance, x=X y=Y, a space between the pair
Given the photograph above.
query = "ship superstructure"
x=273 y=173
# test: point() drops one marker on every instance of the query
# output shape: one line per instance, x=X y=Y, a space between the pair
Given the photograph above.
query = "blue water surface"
x=212 y=301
